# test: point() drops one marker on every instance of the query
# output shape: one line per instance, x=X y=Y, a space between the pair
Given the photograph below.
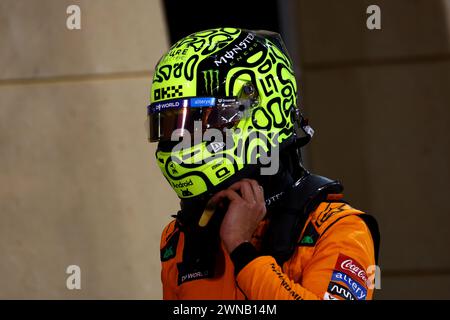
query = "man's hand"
x=246 y=209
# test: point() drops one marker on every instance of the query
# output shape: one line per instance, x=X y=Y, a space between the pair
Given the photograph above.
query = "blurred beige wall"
x=380 y=103
x=78 y=184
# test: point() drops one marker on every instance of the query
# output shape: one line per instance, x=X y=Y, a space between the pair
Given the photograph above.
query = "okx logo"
x=168 y=92
x=211 y=78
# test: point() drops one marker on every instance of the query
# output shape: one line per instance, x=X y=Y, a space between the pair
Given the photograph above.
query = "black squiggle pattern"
x=203 y=44
x=272 y=73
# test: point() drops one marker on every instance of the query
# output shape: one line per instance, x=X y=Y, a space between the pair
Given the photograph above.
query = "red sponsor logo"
x=351 y=267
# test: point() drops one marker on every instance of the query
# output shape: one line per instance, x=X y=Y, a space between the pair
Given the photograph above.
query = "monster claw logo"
x=211 y=78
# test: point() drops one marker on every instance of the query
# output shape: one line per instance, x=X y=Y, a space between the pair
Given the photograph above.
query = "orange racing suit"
x=333 y=254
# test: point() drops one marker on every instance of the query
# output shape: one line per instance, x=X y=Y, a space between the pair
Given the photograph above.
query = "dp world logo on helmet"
x=264 y=151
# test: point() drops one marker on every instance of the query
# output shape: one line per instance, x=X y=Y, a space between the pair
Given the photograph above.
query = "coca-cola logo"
x=349 y=265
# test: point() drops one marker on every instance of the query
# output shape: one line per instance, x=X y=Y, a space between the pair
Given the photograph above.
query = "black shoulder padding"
x=372 y=224
x=310 y=191
x=286 y=223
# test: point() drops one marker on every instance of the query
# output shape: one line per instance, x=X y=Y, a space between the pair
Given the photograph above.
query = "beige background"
x=78 y=184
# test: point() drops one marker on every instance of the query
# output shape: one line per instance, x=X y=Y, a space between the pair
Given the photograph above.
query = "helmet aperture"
x=169 y=117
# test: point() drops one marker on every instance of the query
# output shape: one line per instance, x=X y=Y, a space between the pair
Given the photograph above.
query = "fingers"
x=245 y=189
x=257 y=190
x=250 y=191
x=225 y=194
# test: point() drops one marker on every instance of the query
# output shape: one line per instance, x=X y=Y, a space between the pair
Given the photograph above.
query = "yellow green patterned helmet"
x=238 y=82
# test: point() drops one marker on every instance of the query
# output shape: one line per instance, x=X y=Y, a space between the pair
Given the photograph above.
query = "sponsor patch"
x=216 y=146
x=182 y=184
x=189 y=274
x=328 y=296
x=168 y=92
x=162 y=106
x=355 y=288
x=169 y=251
x=310 y=237
x=285 y=284
x=329 y=212
x=341 y=291
x=352 y=268
x=203 y=102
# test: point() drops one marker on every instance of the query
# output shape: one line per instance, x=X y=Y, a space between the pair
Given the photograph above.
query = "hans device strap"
x=292 y=212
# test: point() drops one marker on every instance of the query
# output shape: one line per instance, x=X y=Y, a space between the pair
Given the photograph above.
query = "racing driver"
x=253 y=223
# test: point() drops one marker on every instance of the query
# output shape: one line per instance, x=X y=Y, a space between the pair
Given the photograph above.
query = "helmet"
x=238 y=82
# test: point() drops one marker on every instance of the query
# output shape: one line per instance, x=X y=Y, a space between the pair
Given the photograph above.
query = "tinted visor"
x=186 y=114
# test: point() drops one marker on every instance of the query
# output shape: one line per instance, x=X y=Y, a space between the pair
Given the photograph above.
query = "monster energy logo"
x=211 y=78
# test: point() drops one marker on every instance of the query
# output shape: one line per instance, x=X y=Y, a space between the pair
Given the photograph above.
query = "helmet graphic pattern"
x=221 y=62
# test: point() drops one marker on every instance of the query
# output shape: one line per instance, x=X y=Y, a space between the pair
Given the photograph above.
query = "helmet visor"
x=164 y=117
